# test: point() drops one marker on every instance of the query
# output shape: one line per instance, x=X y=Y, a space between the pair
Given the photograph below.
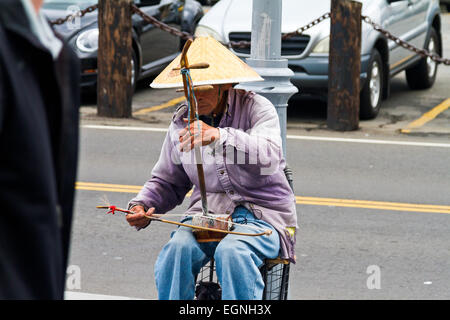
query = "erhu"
x=218 y=222
x=206 y=227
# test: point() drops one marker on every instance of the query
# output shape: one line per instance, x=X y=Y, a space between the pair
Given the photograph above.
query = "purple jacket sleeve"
x=168 y=184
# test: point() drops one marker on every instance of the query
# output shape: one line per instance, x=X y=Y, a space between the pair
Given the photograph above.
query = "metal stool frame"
x=275 y=272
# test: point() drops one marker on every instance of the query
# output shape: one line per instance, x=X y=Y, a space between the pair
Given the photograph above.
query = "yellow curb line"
x=367 y=202
x=427 y=117
x=369 y=205
x=108 y=185
x=380 y=205
x=168 y=104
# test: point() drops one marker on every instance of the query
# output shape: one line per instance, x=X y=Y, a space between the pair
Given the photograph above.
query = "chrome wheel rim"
x=431 y=64
x=133 y=73
x=375 y=84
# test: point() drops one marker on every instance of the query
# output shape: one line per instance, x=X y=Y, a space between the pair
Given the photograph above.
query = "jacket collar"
x=14 y=19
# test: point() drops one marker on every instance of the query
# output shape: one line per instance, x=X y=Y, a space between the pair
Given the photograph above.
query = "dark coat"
x=39 y=102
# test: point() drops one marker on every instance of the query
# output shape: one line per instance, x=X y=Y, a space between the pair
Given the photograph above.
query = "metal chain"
x=245 y=44
x=70 y=17
x=300 y=31
x=423 y=52
x=149 y=19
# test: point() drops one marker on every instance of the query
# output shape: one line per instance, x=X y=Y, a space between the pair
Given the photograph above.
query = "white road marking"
x=295 y=137
x=372 y=141
x=125 y=128
x=75 y=295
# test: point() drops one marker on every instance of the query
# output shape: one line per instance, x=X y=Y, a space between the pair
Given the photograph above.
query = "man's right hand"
x=139 y=218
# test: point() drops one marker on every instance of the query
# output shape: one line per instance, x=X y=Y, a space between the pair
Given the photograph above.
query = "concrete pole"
x=265 y=58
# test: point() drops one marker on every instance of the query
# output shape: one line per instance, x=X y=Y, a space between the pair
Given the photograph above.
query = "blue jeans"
x=238 y=259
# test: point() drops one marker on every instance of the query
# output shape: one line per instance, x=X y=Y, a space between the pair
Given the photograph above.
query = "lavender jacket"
x=245 y=167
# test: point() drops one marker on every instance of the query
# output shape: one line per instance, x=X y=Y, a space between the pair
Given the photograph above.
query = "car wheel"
x=372 y=92
x=134 y=71
x=423 y=75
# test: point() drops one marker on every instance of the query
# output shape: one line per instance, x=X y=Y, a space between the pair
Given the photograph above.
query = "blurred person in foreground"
x=239 y=136
x=39 y=101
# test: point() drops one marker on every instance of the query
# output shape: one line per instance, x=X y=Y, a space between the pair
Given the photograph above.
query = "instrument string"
x=187 y=74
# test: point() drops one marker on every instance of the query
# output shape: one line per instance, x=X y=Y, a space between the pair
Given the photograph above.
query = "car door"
x=416 y=20
x=394 y=21
x=407 y=20
x=158 y=46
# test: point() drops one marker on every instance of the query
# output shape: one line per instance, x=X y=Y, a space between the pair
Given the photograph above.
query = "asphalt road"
x=372 y=204
x=335 y=245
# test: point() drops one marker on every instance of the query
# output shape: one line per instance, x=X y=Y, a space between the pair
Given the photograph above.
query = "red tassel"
x=112 y=209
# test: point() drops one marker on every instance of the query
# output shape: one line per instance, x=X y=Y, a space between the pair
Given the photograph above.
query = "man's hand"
x=193 y=138
x=138 y=218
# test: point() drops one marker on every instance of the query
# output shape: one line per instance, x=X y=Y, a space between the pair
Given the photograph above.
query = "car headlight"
x=202 y=31
x=323 y=46
x=87 y=41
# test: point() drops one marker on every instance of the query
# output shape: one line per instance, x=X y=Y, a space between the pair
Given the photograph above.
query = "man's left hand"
x=191 y=136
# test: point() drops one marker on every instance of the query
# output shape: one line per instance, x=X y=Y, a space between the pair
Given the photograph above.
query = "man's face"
x=209 y=99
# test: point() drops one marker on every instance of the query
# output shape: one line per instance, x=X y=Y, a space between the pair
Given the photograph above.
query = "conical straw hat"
x=224 y=66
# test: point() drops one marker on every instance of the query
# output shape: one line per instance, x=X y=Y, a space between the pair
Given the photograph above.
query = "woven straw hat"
x=224 y=66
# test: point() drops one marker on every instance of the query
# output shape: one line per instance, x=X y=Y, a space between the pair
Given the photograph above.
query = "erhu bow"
x=156 y=217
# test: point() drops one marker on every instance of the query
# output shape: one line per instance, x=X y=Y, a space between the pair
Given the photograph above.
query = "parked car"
x=208 y=2
x=446 y=3
x=153 y=48
x=416 y=21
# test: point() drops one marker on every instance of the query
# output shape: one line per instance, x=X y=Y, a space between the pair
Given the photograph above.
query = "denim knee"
x=180 y=242
x=227 y=251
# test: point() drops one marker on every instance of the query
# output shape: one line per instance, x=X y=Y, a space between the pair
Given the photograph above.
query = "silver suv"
x=416 y=21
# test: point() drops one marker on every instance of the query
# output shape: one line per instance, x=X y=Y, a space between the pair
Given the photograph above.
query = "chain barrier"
x=245 y=44
x=423 y=52
x=78 y=14
x=300 y=31
x=159 y=24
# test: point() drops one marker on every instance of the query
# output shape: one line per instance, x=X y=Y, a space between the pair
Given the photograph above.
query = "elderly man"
x=239 y=136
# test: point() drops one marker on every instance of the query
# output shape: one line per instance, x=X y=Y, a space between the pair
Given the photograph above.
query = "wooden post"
x=344 y=65
x=114 y=59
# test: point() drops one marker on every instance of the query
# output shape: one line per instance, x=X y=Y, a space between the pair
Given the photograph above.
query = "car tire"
x=372 y=92
x=134 y=70
x=423 y=75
